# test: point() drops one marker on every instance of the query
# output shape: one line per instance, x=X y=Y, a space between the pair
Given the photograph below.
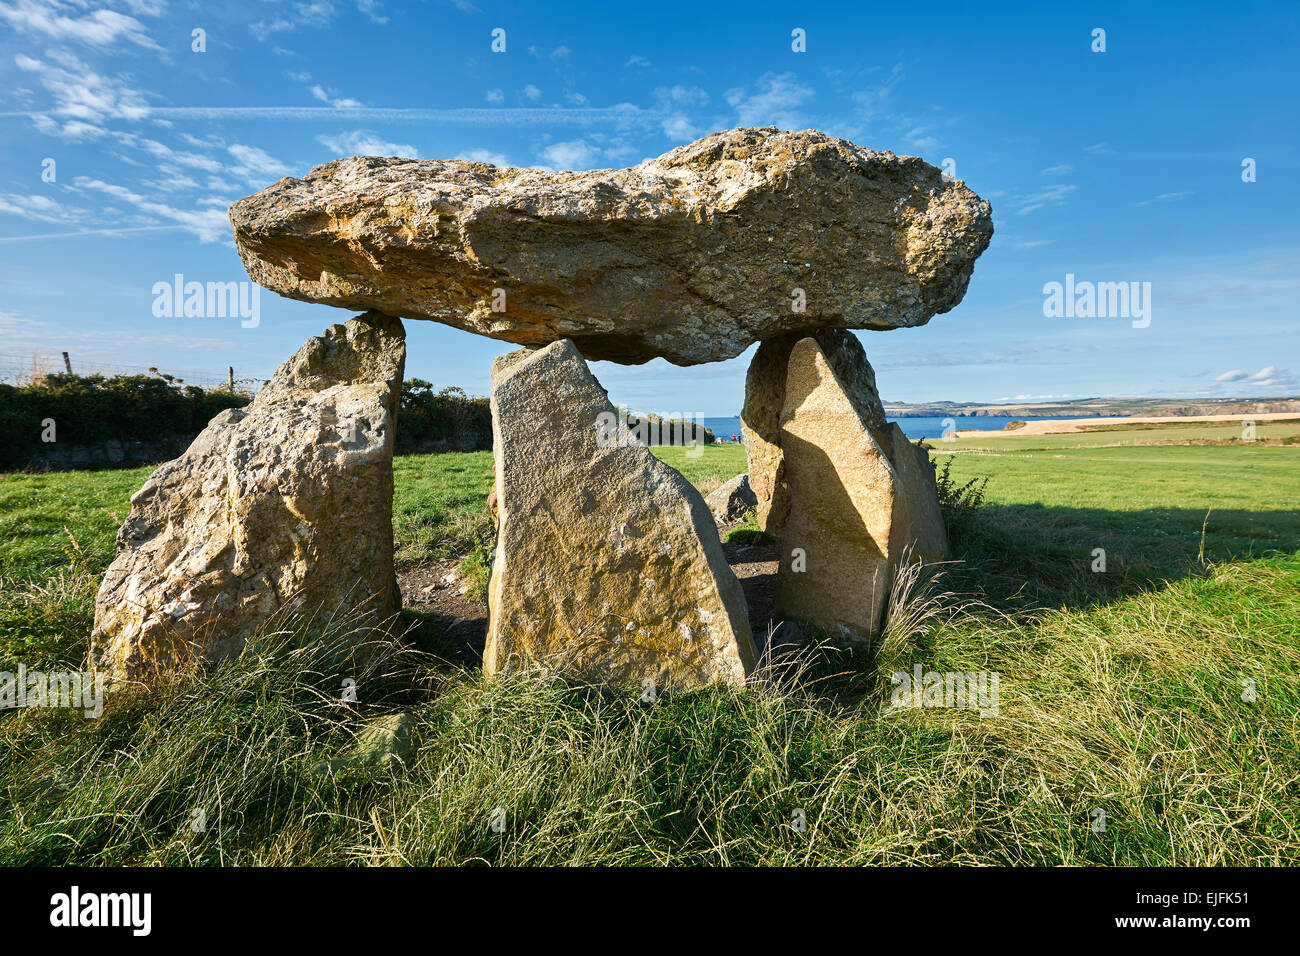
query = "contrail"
x=89 y=232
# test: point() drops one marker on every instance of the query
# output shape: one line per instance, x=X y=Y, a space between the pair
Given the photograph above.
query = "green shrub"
x=959 y=503
x=449 y=418
x=92 y=409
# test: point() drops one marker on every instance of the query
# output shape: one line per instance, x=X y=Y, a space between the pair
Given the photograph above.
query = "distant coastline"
x=1097 y=408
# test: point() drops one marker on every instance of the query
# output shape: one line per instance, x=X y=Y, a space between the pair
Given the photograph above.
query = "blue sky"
x=1117 y=166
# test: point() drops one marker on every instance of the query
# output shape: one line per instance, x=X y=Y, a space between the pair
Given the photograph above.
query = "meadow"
x=1149 y=713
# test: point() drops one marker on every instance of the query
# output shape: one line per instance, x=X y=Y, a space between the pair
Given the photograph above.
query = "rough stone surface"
x=860 y=501
x=289 y=499
x=760 y=418
x=608 y=564
x=732 y=501
x=843 y=505
x=925 y=537
x=691 y=256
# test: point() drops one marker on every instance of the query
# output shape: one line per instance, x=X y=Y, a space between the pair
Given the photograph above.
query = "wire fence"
x=29 y=369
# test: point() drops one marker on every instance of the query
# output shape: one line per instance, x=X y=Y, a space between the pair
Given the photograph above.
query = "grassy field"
x=1163 y=693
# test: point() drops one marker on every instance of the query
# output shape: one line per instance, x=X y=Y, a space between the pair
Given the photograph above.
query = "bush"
x=448 y=420
x=92 y=409
x=669 y=431
x=959 y=503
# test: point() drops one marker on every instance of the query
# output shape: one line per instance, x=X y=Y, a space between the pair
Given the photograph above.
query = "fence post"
x=67 y=363
x=230 y=378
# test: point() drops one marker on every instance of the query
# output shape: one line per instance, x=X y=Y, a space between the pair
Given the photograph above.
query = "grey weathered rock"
x=760 y=418
x=732 y=500
x=286 y=501
x=608 y=564
x=691 y=256
x=858 y=503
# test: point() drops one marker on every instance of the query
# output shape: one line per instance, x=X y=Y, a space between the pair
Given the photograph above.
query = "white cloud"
x=371 y=9
x=636 y=59
x=328 y=96
x=255 y=164
x=315 y=14
x=576 y=154
x=774 y=102
x=1060 y=170
x=919 y=138
x=1163 y=197
x=676 y=101
x=193 y=160
x=484 y=156
x=1047 y=196
x=874 y=98
x=1270 y=376
x=101 y=28
x=533 y=93
x=37 y=207
x=362 y=142
x=494 y=96
x=210 y=225
x=81 y=94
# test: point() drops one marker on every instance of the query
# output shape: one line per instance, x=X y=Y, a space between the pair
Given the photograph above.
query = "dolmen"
x=608 y=565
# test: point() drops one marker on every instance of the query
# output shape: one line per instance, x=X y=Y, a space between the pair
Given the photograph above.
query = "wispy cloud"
x=774 y=100
x=290 y=17
x=83 y=98
x=1270 y=376
x=363 y=142
x=1047 y=196
x=100 y=28
x=484 y=156
x=1163 y=197
x=209 y=225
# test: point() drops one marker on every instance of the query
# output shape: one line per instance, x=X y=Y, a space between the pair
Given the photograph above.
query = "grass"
x=1164 y=691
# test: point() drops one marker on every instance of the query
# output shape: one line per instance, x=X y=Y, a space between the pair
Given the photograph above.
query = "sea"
x=914 y=428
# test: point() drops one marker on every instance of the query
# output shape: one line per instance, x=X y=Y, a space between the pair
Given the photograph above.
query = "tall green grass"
x=1164 y=693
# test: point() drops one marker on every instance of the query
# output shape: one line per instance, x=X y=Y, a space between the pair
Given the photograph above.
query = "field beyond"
x=1149 y=713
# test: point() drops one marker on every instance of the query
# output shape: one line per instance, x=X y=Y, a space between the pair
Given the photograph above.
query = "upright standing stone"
x=839 y=537
x=861 y=497
x=288 y=500
x=925 y=537
x=760 y=418
x=608 y=564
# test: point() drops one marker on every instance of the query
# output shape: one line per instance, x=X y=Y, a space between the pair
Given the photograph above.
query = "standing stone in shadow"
x=608 y=565
x=760 y=418
x=287 y=501
x=859 y=500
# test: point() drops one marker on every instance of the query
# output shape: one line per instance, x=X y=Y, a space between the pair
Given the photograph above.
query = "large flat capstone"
x=740 y=236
